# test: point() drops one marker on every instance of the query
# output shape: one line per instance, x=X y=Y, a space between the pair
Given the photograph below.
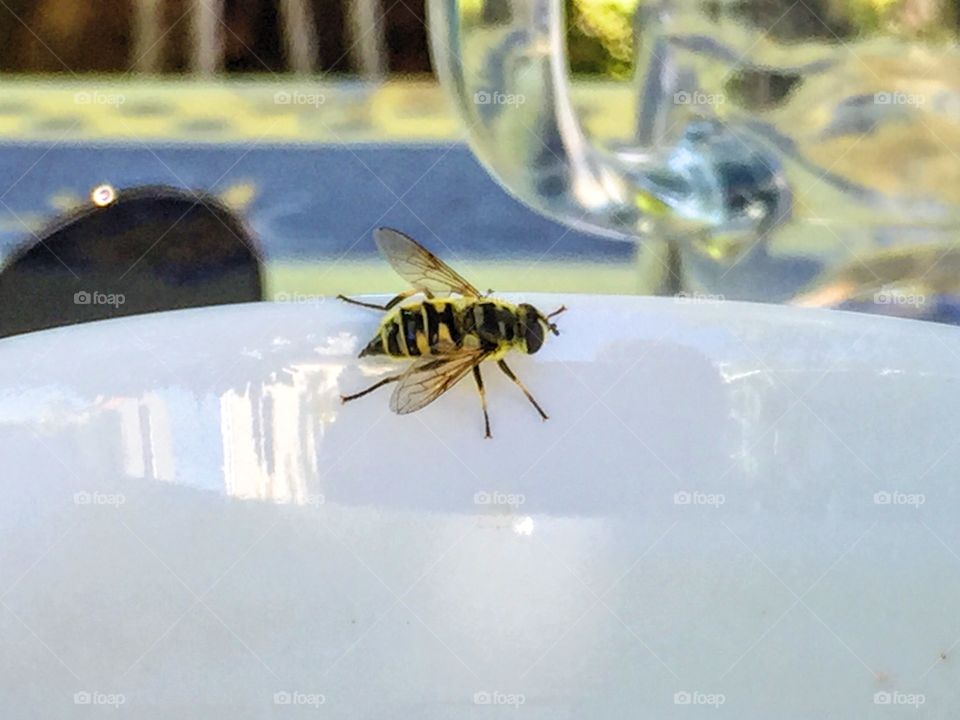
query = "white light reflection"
x=258 y=441
x=146 y=437
x=524 y=526
x=271 y=434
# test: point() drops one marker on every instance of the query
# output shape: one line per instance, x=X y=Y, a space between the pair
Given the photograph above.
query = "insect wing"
x=418 y=266
x=430 y=377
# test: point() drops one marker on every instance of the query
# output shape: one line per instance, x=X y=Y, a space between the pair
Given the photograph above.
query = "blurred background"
x=360 y=38
x=300 y=125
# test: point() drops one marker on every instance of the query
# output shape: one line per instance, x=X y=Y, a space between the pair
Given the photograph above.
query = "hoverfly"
x=445 y=337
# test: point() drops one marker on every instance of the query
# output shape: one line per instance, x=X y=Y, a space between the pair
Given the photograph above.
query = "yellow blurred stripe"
x=264 y=109
x=374 y=276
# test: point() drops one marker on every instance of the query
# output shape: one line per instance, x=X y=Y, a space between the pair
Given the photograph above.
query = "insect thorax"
x=443 y=326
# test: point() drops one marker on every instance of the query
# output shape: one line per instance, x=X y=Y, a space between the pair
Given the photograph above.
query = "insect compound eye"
x=531 y=327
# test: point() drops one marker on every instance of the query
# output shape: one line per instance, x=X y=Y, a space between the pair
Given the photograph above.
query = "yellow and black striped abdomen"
x=439 y=327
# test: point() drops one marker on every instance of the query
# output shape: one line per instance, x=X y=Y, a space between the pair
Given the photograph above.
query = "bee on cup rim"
x=447 y=337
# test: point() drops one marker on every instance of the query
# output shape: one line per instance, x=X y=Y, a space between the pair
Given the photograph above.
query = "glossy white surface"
x=190 y=520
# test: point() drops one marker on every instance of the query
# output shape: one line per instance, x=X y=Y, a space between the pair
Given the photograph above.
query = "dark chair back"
x=143 y=250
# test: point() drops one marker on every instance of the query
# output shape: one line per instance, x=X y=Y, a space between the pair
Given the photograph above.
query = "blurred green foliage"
x=600 y=37
x=913 y=18
x=600 y=33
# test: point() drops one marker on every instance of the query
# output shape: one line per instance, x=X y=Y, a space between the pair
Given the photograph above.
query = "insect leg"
x=402 y=296
x=483 y=400
x=381 y=383
x=509 y=373
x=361 y=303
x=398 y=298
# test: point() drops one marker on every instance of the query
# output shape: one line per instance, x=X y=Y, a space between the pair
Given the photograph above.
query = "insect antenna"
x=552 y=326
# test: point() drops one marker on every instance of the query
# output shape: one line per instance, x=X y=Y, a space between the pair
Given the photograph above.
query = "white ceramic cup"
x=752 y=508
